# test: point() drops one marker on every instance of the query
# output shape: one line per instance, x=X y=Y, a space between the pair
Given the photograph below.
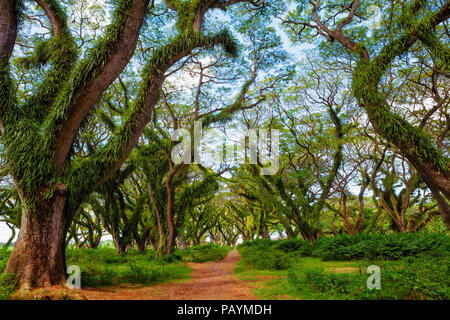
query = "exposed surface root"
x=49 y=293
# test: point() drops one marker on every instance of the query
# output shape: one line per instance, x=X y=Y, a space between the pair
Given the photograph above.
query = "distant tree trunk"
x=96 y=242
x=120 y=245
x=196 y=240
x=38 y=258
x=142 y=241
x=213 y=237
x=158 y=220
x=263 y=229
x=153 y=244
x=170 y=213
x=183 y=244
x=360 y=221
x=345 y=216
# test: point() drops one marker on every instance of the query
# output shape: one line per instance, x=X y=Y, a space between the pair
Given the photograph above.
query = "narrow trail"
x=209 y=281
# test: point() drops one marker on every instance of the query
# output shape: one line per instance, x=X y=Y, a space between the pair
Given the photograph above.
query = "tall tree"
x=39 y=131
x=408 y=25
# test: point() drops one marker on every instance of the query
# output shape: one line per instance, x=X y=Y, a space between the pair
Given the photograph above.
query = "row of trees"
x=86 y=122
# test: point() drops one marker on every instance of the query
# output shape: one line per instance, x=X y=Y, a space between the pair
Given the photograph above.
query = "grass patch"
x=7 y=285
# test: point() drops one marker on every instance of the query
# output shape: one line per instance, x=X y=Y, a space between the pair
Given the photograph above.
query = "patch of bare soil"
x=209 y=281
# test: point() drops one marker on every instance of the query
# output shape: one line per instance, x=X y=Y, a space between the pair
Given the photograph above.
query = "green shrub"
x=95 y=274
x=204 y=253
x=258 y=243
x=324 y=282
x=266 y=259
x=294 y=245
x=143 y=274
x=170 y=258
x=7 y=285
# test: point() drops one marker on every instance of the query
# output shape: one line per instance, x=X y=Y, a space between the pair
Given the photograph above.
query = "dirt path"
x=209 y=281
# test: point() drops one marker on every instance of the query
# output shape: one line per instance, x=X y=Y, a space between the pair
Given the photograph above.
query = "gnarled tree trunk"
x=38 y=258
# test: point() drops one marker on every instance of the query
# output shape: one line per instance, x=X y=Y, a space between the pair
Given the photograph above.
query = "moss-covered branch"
x=60 y=51
x=92 y=76
x=412 y=141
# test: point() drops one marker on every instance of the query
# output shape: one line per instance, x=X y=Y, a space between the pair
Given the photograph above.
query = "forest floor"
x=209 y=281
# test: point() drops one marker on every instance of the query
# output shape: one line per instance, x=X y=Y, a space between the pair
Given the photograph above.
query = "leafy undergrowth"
x=103 y=267
x=413 y=266
x=7 y=285
x=204 y=253
x=7 y=281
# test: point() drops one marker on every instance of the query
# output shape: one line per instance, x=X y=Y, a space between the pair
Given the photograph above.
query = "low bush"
x=324 y=282
x=204 y=253
x=95 y=274
x=294 y=245
x=266 y=259
x=142 y=274
x=171 y=258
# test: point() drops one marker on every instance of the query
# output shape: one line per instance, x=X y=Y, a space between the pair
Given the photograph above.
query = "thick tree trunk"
x=38 y=258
